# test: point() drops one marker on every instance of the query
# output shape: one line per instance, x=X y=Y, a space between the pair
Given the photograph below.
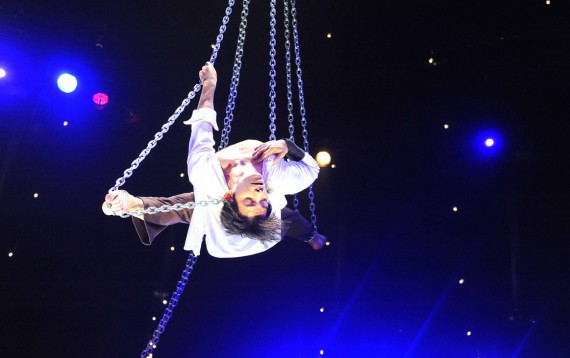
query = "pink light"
x=100 y=99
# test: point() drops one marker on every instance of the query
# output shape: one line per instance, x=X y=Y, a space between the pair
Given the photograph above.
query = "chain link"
x=197 y=87
x=272 y=72
x=302 y=103
x=151 y=345
x=224 y=140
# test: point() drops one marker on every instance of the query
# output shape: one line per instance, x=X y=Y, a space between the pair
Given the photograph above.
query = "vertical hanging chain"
x=272 y=72
x=165 y=127
x=235 y=78
x=151 y=345
x=302 y=104
x=290 y=116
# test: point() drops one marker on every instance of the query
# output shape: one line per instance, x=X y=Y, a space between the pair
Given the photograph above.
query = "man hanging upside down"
x=250 y=177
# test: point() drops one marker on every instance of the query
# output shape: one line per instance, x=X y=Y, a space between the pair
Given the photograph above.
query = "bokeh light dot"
x=446 y=126
x=65 y=123
x=2 y=73
x=461 y=281
x=489 y=142
x=182 y=175
x=164 y=302
x=10 y=254
x=329 y=35
x=154 y=318
x=455 y=208
x=36 y=195
x=171 y=248
x=322 y=309
x=468 y=333
x=323 y=158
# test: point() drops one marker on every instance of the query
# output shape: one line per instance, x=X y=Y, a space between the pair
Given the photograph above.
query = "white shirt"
x=206 y=175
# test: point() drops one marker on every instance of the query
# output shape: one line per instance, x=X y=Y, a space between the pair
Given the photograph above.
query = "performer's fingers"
x=110 y=197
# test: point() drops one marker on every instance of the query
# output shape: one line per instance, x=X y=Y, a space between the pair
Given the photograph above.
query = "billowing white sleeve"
x=201 y=153
x=291 y=177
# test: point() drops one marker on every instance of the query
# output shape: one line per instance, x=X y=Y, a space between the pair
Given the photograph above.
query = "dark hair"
x=263 y=228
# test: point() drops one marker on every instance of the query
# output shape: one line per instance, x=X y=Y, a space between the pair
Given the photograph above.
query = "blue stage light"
x=2 y=73
x=67 y=83
x=488 y=142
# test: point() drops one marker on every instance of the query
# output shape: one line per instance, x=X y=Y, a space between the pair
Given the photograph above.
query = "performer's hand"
x=208 y=75
x=116 y=203
x=277 y=147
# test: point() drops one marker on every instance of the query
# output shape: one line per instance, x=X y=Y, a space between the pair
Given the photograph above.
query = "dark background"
x=79 y=284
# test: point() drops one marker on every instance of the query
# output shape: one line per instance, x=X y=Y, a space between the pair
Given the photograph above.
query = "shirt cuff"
x=203 y=115
x=310 y=161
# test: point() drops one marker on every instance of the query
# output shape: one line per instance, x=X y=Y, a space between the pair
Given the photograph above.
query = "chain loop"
x=224 y=140
x=151 y=345
x=290 y=107
x=272 y=72
x=302 y=103
x=197 y=87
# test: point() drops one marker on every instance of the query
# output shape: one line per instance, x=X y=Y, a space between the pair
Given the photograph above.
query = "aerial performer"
x=250 y=178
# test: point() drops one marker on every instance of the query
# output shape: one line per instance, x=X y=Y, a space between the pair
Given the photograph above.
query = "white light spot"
x=323 y=159
x=2 y=73
x=154 y=318
x=468 y=333
x=212 y=45
x=164 y=302
x=446 y=126
x=328 y=243
x=182 y=175
x=65 y=123
x=322 y=352
x=67 y=83
x=329 y=35
x=333 y=166
x=489 y=142
x=431 y=60
x=455 y=208
x=10 y=254
x=461 y=281
x=547 y=2
x=322 y=309
x=171 y=248
x=36 y=195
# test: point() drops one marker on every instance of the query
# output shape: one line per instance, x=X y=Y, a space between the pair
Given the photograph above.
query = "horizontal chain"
x=166 y=208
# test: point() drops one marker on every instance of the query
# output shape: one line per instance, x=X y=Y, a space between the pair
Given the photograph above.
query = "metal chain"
x=272 y=72
x=290 y=115
x=302 y=104
x=197 y=87
x=151 y=345
x=235 y=78
x=166 y=208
